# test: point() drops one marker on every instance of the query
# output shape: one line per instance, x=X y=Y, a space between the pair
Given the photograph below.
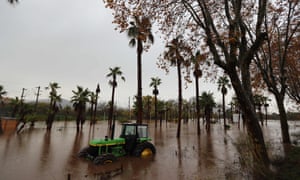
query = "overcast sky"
x=73 y=42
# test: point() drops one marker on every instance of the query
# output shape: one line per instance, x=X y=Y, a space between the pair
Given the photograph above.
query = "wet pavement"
x=36 y=154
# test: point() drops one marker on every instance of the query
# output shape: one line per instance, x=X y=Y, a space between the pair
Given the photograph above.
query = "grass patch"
x=250 y=166
x=289 y=167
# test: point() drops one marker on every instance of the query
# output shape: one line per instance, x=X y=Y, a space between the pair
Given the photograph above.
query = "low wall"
x=8 y=124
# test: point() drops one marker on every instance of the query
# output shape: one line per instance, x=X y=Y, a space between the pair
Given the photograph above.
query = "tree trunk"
x=259 y=150
x=179 y=98
x=155 y=109
x=207 y=117
x=224 y=110
x=111 y=111
x=283 y=120
x=197 y=105
x=139 y=80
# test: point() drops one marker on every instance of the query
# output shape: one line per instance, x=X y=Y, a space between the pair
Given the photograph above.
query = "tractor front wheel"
x=145 y=149
x=88 y=152
x=104 y=159
x=83 y=153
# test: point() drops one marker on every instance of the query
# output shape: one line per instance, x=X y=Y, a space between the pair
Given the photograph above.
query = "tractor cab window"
x=142 y=131
x=129 y=130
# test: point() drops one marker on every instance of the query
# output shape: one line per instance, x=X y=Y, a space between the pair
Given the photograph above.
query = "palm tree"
x=174 y=48
x=2 y=93
x=114 y=73
x=147 y=102
x=13 y=1
x=155 y=82
x=53 y=107
x=208 y=103
x=79 y=100
x=223 y=84
x=140 y=32
x=197 y=74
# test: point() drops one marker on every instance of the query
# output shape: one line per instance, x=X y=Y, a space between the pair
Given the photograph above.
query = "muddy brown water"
x=36 y=154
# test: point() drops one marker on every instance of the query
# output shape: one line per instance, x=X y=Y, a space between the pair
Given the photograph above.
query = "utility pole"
x=22 y=96
x=22 y=112
x=37 y=98
x=36 y=104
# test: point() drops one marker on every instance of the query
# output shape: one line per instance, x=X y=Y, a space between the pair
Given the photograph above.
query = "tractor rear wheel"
x=104 y=159
x=145 y=149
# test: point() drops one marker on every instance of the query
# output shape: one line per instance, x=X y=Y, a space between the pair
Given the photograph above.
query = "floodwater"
x=36 y=154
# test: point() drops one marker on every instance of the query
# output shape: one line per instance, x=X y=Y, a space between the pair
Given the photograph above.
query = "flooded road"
x=36 y=154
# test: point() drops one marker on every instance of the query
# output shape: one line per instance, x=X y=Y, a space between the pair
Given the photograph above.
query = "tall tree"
x=79 y=100
x=293 y=69
x=208 y=103
x=53 y=106
x=114 y=73
x=197 y=74
x=13 y=1
x=176 y=49
x=223 y=84
x=155 y=82
x=2 y=93
x=147 y=102
x=282 y=24
x=220 y=28
x=140 y=33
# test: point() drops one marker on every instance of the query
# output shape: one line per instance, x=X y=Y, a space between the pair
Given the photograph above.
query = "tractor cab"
x=133 y=140
x=136 y=130
x=134 y=134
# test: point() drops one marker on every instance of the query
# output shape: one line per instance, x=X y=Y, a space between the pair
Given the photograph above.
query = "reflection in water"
x=6 y=147
x=92 y=131
x=37 y=154
x=178 y=153
x=72 y=161
x=208 y=160
x=45 y=150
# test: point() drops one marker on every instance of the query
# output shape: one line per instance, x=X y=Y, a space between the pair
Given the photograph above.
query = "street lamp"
x=96 y=102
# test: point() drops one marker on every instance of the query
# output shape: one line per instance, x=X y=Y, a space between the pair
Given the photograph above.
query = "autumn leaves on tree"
x=231 y=34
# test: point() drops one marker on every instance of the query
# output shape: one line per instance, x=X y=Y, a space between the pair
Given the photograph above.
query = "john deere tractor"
x=133 y=140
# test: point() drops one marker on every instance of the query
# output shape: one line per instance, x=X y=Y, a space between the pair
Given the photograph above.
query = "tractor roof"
x=135 y=124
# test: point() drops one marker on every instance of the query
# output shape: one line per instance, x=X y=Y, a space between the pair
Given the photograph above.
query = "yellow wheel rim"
x=146 y=152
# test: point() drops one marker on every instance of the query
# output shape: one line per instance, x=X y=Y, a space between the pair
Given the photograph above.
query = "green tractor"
x=133 y=140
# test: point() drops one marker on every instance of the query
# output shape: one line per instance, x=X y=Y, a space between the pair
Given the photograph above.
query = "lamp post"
x=96 y=102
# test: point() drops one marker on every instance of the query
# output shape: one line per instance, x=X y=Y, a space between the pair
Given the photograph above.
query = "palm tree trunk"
x=139 y=80
x=224 y=110
x=51 y=116
x=197 y=106
x=155 y=109
x=179 y=98
x=111 y=111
